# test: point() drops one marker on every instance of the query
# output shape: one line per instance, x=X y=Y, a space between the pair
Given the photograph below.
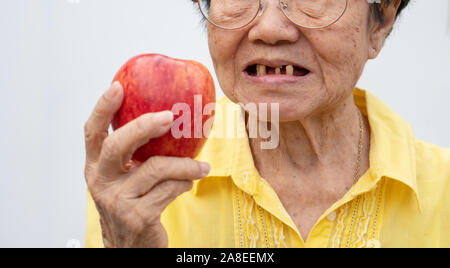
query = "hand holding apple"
x=130 y=202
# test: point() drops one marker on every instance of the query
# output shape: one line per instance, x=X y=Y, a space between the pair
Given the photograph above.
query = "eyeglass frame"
x=261 y=11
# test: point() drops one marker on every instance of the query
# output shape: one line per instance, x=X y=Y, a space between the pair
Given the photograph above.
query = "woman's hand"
x=130 y=197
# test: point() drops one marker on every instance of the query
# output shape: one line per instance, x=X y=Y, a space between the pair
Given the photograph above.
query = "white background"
x=58 y=56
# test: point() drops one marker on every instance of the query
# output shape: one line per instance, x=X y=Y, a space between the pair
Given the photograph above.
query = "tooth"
x=278 y=70
x=290 y=70
x=261 y=69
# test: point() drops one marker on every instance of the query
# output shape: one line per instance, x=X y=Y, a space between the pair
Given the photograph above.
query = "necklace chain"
x=355 y=178
x=360 y=147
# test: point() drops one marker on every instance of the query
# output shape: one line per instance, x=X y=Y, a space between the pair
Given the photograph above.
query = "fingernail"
x=113 y=90
x=205 y=168
x=164 y=118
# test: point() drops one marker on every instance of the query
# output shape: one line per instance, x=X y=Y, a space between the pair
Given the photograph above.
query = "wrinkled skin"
x=314 y=164
x=336 y=55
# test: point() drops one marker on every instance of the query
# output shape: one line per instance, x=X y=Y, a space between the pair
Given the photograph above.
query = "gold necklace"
x=360 y=147
x=355 y=178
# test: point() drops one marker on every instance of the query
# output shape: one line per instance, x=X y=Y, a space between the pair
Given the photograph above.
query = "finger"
x=162 y=195
x=160 y=168
x=118 y=147
x=96 y=127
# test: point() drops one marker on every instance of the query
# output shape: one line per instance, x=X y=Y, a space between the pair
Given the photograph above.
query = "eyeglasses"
x=236 y=14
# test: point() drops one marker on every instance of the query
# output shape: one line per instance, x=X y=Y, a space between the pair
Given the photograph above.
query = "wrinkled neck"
x=321 y=141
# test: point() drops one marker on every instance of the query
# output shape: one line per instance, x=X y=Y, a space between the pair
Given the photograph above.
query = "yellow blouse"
x=403 y=200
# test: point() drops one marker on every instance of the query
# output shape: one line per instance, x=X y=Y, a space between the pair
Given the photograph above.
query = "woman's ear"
x=379 y=30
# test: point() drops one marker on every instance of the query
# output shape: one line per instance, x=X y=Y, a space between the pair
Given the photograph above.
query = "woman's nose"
x=271 y=26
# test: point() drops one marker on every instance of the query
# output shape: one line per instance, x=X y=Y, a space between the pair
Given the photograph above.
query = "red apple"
x=154 y=83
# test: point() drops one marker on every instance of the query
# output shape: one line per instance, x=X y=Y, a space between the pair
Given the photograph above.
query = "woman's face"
x=327 y=62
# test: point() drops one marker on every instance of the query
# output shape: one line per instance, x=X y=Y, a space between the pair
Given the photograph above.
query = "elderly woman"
x=347 y=171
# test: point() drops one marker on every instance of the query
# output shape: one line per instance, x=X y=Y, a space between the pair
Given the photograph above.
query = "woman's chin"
x=279 y=113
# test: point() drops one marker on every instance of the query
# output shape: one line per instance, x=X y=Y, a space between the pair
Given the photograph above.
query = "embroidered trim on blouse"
x=361 y=227
x=365 y=217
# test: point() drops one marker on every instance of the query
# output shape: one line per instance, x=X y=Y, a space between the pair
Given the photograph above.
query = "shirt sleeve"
x=93 y=230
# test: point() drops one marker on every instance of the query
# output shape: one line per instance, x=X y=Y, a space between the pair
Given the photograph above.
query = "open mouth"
x=290 y=70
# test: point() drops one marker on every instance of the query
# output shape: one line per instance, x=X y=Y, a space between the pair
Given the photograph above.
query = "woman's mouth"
x=281 y=74
x=260 y=70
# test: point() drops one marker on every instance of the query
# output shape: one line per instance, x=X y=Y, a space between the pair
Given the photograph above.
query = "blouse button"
x=245 y=177
x=332 y=216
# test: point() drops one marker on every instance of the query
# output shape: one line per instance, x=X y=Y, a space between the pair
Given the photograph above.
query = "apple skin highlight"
x=154 y=83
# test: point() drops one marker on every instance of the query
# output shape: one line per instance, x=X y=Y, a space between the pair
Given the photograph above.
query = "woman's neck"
x=323 y=145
